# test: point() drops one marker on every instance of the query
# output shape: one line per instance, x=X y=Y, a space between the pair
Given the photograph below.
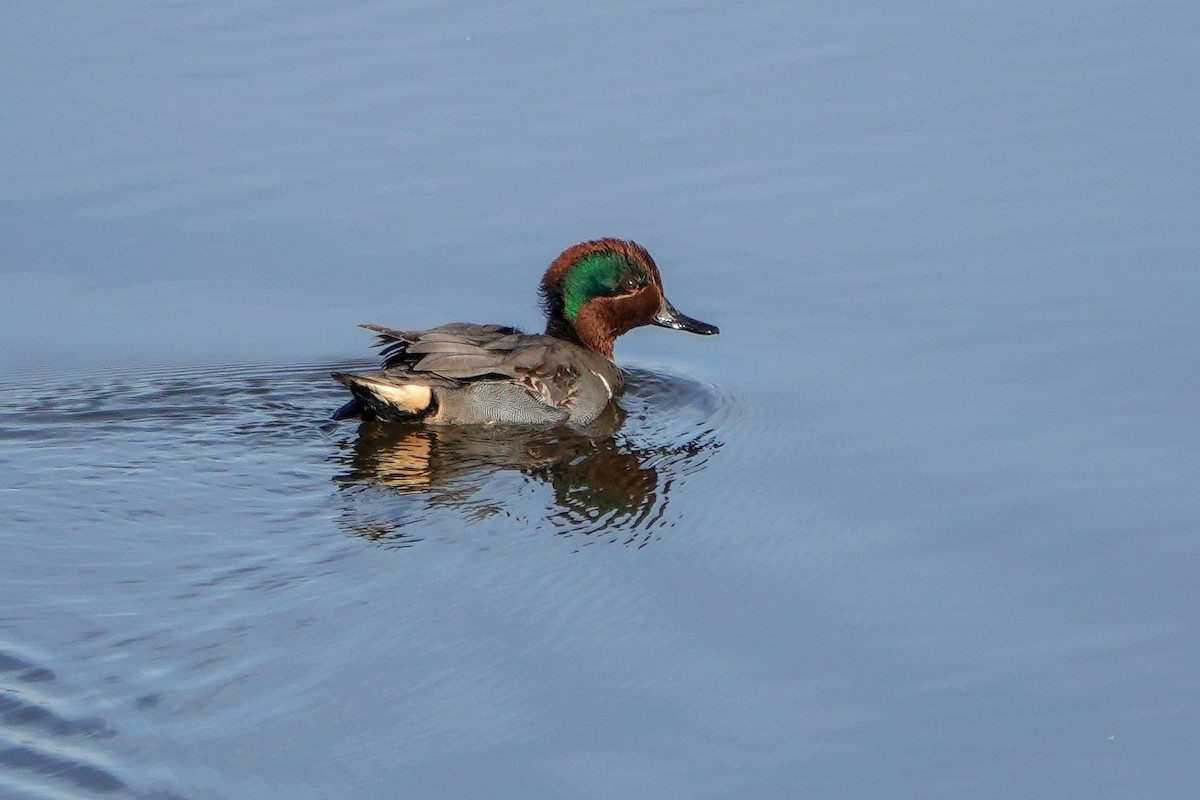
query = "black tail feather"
x=353 y=408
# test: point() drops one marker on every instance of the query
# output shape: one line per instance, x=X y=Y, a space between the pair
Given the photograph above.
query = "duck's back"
x=463 y=373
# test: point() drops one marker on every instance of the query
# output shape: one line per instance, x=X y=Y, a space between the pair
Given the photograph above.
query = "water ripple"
x=221 y=497
x=392 y=483
x=612 y=482
x=42 y=744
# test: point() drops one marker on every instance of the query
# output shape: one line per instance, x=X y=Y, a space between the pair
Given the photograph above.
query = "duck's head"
x=595 y=291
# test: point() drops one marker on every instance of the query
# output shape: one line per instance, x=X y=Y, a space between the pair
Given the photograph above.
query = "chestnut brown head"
x=595 y=291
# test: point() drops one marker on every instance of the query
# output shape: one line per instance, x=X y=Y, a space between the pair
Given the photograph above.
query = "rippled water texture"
x=220 y=475
x=611 y=482
x=920 y=523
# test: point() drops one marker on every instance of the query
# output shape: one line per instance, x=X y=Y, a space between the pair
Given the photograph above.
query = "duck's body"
x=463 y=373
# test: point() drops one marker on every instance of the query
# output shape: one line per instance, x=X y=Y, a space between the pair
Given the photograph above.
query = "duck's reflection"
x=601 y=483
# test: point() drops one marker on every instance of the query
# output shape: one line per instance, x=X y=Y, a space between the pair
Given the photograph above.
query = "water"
x=921 y=521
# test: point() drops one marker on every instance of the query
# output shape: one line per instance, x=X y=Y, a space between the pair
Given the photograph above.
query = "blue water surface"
x=921 y=522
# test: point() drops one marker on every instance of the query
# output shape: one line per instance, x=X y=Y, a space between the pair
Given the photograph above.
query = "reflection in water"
x=612 y=480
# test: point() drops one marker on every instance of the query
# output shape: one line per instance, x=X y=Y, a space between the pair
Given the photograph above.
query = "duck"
x=464 y=373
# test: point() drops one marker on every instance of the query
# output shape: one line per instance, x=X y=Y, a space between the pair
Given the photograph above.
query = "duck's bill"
x=668 y=317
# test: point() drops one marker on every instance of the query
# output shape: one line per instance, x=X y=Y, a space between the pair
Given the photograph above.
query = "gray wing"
x=458 y=351
x=497 y=373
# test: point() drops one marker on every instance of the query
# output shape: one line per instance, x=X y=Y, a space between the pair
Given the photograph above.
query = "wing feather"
x=491 y=372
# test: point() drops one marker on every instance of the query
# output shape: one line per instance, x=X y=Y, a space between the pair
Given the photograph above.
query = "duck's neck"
x=586 y=332
x=559 y=328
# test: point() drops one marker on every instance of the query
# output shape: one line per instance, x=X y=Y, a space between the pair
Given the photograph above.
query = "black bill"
x=668 y=317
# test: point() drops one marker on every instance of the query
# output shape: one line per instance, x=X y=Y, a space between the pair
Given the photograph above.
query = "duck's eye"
x=629 y=284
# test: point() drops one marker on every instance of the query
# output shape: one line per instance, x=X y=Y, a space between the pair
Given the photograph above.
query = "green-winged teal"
x=464 y=373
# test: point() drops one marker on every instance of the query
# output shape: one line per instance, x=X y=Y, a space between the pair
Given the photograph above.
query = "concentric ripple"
x=201 y=509
x=612 y=482
x=390 y=482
